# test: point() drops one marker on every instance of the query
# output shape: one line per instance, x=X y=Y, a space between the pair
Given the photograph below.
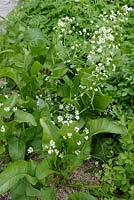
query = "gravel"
x=7 y=6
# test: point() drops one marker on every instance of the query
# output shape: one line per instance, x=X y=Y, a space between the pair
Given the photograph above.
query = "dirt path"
x=6 y=6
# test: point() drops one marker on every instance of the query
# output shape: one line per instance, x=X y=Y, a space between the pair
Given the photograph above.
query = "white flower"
x=2 y=129
x=86 y=137
x=7 y=109
x=77 y=152
x=130 y=9
x=96 y=89
x=86 y=131
x=77 y=112
x=99 y=50
x=72 y=47
x=61 y=106
x=30 y=150
x=77 y=117
x=76 y=1
x=14 y=109
x=114 y=68
x=56 y=151
x=84 y=30
x=61 y=24
x=50 y=151
x=60 y=155
x=70 y=32
x=76 y=129
x=46 y=147
x=69 y=135
x=96 y=163
x=6 y=96
x=127 y=8
x=64 y=137
x=110 y=37
x=79 y=143
x=52 y=143
x=60 y=119
x=69 y=116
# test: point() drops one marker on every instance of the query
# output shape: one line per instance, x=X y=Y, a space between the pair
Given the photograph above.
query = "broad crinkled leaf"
x=104 y=125
x=21 y=116
x=12 y=174
x=16 y=148
x=36 y=67
x=11 y=73
x=50 y=132
x=47 y=193
x=43 y=169
x=101 y=102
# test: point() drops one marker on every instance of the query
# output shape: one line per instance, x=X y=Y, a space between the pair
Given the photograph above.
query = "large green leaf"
x=10 y=102
x=47 y=193
x=16 y=148
x=43 y=169
x=50 y=132
x=21 y=116
x=33 y=36
x=101 y=102
x=23 y=190
x=12 y=174
x=11 y=73
x=81 y=196
x=104 y=125
x=59 y=71
x=36 y=67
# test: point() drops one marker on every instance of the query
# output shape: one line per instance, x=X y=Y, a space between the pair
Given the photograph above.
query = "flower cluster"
x=69 y=113
x=51 y=149
x=100 y=46
x=64 y=24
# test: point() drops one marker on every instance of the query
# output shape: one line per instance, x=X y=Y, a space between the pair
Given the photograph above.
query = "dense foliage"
x=66 y=93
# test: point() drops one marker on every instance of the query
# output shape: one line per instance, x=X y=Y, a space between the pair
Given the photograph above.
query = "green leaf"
x=31 y=170
x=11 y=73
x=50 y=132
x=23 y=190
x=101 y=102
x=16 y=148
x=70 y=163
x=47 y=193
x=81 y=196
x=86 y=149
x=31 y=191
x=59 y=71
x=104 y=125
x=12 y=174
x=10 y=103
x=21 y=116
x=43 y=169
x=33 y=36
x=36 y=67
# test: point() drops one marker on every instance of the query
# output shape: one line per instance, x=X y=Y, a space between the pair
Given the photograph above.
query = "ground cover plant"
x=66 y=95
